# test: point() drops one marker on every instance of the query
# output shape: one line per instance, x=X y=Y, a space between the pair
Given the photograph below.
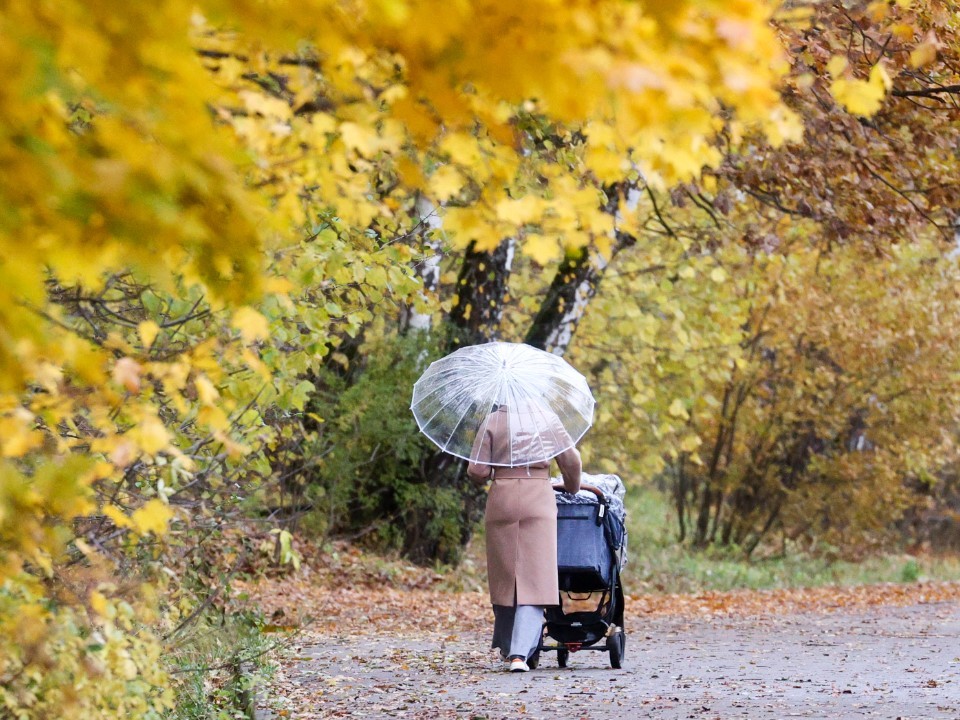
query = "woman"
x=521 y=528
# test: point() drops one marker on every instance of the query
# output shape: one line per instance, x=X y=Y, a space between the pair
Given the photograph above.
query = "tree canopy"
x=221 y=224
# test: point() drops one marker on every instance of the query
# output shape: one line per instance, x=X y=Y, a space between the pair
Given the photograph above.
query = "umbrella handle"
x=589 y=488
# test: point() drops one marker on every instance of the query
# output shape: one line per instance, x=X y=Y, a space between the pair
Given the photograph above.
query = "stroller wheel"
x=617 y=645
x=562 y=657
x=533 y=662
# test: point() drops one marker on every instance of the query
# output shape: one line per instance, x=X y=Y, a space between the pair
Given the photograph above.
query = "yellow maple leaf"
x=101 y=606
x=265 y=105
x=410 y=171
x=862 y=97
x=213 y=417
x=251 y=324
x=837 y=64
x=520 y=212
x=119 y=518
x=542 y=248
x=607 y=164
x=359 y=138
x=903 y=31
x=206 y=392
x=462 y=148
x=18 y=434
x=153 y=517
x=148 y=331
x=278 y=285
x=718 y=275
x=151 y=435
x=923 y=54
x=446 y=182
x=677 y=409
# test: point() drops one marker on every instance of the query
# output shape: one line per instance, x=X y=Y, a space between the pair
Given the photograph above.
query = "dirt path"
x=877 y=662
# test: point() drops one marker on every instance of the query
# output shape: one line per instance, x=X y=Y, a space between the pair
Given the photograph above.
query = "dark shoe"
x=533 y=662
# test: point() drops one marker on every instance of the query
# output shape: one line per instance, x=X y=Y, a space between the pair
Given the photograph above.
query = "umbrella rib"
x=462 y=393
x=543 y=450
x=453 y=430
x=453 y=379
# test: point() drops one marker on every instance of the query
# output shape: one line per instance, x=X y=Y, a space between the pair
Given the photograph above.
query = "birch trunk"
x=481 y=289
x=430 y=230
x=575 y=285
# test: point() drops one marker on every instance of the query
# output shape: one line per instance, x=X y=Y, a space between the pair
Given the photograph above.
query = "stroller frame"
x=583 y=630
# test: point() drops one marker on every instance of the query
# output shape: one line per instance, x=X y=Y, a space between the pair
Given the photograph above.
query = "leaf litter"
x=373 y=643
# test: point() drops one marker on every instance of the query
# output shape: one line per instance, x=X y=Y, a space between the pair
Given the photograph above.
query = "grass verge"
x=218 y=667
x=658 y=564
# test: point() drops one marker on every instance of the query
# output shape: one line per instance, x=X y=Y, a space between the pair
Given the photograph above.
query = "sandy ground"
x=879 y=662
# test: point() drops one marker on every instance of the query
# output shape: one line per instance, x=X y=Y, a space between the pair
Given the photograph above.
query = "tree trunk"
x=574 y=285
x=680 y=497
x=429 y=226
x=481 y=289
x=703 y=515
x=759 y=535
x=717 y=511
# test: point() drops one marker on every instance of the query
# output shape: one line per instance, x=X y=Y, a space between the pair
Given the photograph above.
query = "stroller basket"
x=587 y=540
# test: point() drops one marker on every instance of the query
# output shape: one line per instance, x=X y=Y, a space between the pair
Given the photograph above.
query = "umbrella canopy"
x=545 y=403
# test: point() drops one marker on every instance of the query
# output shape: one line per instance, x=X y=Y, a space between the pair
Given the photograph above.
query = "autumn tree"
x=873 y=84
x=524 y=176
x=206 y=204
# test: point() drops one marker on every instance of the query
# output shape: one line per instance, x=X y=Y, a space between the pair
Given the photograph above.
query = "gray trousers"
x=517 y=630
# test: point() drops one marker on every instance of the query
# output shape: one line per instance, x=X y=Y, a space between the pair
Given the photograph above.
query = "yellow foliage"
x=148 y=331
x=150 y=435
x=862 y=97
x=251 y=324
x=527 y=209
x=923 y=54
x=143 y=211
x=677 y=409
x=152 y=517
x=446 y=182
x=56 y=662
x=542 y=248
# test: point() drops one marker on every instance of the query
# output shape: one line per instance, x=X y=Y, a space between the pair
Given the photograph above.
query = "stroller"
x=591 y=551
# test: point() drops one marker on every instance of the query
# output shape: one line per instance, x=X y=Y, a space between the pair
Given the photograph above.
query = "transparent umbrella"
x=545 y=403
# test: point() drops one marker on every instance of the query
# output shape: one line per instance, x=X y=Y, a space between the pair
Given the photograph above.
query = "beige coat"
x=521 y=520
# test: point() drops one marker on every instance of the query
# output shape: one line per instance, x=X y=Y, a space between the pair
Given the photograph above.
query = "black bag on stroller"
x=591 y=551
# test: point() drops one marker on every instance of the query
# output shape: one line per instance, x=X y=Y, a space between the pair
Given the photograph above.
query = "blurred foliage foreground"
x=232 y=234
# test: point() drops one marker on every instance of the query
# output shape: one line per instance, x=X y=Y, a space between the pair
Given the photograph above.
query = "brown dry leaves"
x=381 y=639
x=352 y=602
x=747 y=603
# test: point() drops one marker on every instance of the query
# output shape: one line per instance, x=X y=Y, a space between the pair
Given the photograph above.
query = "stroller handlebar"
x=589 y=488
